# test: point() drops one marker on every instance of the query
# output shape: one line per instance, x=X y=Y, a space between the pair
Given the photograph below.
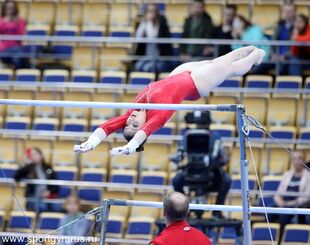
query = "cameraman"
x=218 y=157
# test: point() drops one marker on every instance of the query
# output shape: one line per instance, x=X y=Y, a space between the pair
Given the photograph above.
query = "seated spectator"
x=153 y=25
x=244 y=30
x=197 y=25
x=301 y=33
x=283 y=32
x=79 y=228
x=224 y=30
x=297 y=180
x=36 y=168
x=11 y=24
x=178 y=231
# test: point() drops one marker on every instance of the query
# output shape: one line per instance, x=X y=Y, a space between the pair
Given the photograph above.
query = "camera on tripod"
x=197 y=171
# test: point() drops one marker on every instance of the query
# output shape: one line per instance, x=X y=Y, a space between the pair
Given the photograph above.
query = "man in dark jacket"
x=197 y=25
x=224 y=30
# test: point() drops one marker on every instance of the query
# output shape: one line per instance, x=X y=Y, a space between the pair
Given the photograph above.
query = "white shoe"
x=260 y=56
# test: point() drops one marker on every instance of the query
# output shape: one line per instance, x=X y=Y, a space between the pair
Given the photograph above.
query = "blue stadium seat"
x=261 y=234
x=115 y=77
x=269 y=183
x=165 y=130
x=49 y=221
x=296 y=234
x=35 y=30
x=93 y=31
x=288 y=82
x=83 y=76
x=28 y=75
x=17 y=122
x=68 y=173
x=141 y=78
x=116 y=225
x=8 y=170
x=223 y=130
x=258 y=81
x=65 y=31
x=6 y=74
x=18 y=221
x=94 y=175
x=47 y=124
x=153 y=177
x=74 y=125
x=123 y=176
x=304 y=133
x=236 y=182
x=140 y=227
x=228 y=235
x=234 y=82
x=56 y=75
x=120 y=31
x=283 y=132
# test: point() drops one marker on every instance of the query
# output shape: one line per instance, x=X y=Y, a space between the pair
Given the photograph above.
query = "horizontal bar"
x=42 y=84
x=208 y=207
x=127 y=40
x=113 y=105
x=79 y=135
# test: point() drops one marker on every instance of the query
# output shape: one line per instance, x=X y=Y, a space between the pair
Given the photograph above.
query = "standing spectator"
x=36 y=168
x=153 y=25
x=79 y=228
x=244 y=30
x=301 y=33
x=11 y=24
x=197 y=25
x=296 y=180
x=178 y=231
x=224 y=31
x=284 y=31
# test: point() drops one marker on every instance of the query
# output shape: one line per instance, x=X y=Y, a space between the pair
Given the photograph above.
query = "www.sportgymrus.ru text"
x=49 y=240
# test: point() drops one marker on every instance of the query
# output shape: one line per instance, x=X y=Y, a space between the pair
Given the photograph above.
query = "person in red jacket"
x=188 y=81
x=301 y=33
x=178 y=231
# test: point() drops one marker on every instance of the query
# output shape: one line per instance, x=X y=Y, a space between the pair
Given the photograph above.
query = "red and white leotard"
x=171 y=90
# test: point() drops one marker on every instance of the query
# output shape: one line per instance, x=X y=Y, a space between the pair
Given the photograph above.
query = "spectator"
x=283 y=31
x=244 y=30
x=11 y=24
x=197 y=25
x=297 y=180
x=224 y=31
x=79 y=228
x=36 y=168
x=152 y=25
x=178 y=231
x=301 y=33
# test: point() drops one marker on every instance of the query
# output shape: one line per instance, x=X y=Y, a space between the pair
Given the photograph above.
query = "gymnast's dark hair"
x=128 y=137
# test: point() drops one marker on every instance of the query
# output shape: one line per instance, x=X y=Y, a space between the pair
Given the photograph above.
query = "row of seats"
x=141 y=225
x=144 y=78
x=104 y=13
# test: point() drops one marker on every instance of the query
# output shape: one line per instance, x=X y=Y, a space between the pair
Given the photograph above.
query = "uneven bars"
x=112 y=105
x=209 y=207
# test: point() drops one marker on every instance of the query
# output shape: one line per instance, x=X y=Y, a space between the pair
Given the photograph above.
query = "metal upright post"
x=244 y=178
x=105 y=211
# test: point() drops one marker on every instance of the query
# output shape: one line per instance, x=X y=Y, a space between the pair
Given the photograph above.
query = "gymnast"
x=188 y=81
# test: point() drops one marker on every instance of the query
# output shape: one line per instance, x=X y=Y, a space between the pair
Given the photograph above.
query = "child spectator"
x=79 y=228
